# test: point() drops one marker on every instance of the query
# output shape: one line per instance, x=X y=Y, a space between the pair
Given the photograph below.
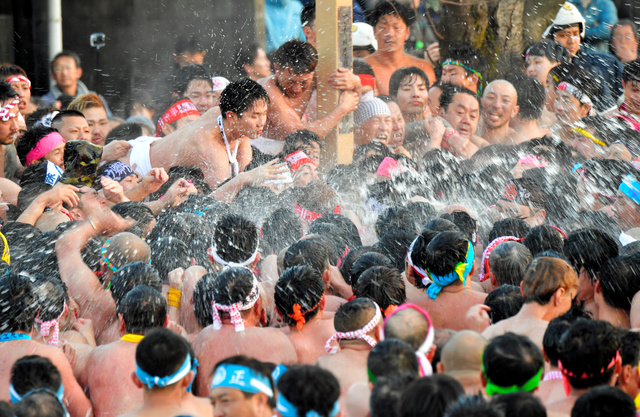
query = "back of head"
x=161 y=353
x=579 y=76
x=354 y=315
x=364 y=262
x=431 y=396
x=604 y=402
x=542 y=238
x=52 y=296
x=85 y=102
x=409 y=325
x=473 y=406
x=588 y=352
x=298 y=294
x=512 y=226
x=29 y=140
x=315 y=252
x=34 y=372
x=384 y=285
x=392 y=357
x=504 y=302
x=18 y=304
x=168 y=254
x=394 y=217
x=202 y=298
x=235 y=239
x=590 y=249
x=508 y=261
x=386 y=395
x=445 y=251
x=124 y=248
x=512 y=363
x=519 y=404
x=232 y=285
x=557 y=327
x=553 y=51
x=463 y=352
x=319 y=198
x=531 y=97
x=394 y=245
x=298 y=56
x=464 y=222
x=309 y=389
x=40 y=404
x=280 y=230
x=620 y=280
x=130 y=276
x=6 y=92
x=544 y=276
x=143 y=309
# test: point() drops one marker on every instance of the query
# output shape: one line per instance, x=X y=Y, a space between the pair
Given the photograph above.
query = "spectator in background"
x=189 y=51
x=251 y=61
x=624 y=41
x=600 y=16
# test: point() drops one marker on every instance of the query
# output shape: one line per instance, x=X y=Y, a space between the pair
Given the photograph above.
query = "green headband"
x=372 y=377
x=528 y=386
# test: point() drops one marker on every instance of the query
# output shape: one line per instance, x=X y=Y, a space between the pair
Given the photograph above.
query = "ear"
x=515 y=111
x=166 y=321
x=409 y=273
x=474 y=80
x=558 y=295
x=323 y=303
x=232 y=117
x=136 y=380
x=625 y=375
x=439 y=368
x=585 y=109
x=492 y=278
x=121 y=326
x=539 y=217
x=306 y=30
x=247 y=68
x=76 y=213
x=187 y=379
x=483 y=379
x=167 y=128
x=597 y=287
x=79 y=72
x=326 y=277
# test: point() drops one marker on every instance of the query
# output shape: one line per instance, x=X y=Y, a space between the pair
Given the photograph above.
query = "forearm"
x=137 y=193
x=33 y=212
x=228 y=191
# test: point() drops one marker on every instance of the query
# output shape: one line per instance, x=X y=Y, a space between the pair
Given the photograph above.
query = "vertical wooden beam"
x=333 y=27
x=261 y=28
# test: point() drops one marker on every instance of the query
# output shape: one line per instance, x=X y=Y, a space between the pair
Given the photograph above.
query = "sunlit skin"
x=632 y=96
x=456 y=75
x=538 y=67
x=24 y=92
x=376 y=129
x=434 y=100
x=625 y=43
x=626 y=212
x=463 y=114
x=499 y=106
x=56 y=156
x=397 y=126
x=292 y=84
x=66 y=75
x=74 y=128
x=569 y=38
x=98 y=124
x=200 y=93
x=231 y=402
x=9 y=129
x=412 y=98
x=569 y=109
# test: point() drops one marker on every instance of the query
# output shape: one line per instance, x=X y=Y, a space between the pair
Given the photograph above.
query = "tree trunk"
x=500 y=29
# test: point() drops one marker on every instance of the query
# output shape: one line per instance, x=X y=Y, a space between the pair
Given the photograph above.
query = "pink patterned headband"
x=534 y=161
x=484 y=264
x=5 y=111
x=45 y=327
x=44 y=146
x=361 y=334
x=19 y=79
x=235 y=309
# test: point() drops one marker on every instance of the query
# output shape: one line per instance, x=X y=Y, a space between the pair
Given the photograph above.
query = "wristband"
x=174 y=296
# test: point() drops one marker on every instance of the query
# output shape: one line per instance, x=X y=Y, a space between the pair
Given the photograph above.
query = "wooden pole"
x=334 y=20
x=261 y=29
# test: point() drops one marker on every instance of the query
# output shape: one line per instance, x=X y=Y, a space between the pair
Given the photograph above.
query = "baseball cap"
x=363 y=36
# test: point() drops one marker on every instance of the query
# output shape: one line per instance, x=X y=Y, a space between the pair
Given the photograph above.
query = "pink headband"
x=534 y=161
x=361 y=334
x=45 y=327
x=235 y=309
x=182 y=108
x=309 y=215
x=421 y=272
x=484 y=264
x=566 y=374
x=297 y=159
x=44 y=146
x=5 y=114
x=19 y=78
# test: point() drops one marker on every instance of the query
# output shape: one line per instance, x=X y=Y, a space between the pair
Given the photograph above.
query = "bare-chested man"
x=499 y=106
x=442 y=265
x=290 y=91
x=461 y=108
x=358 y=326
x=391 y=22
x=107 y=375
x=549 y=286
x=18 y=310
x=461 y=358
x=237 y=313
x=300 y=299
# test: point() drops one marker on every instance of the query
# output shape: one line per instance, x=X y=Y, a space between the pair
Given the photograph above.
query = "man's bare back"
x=309 y=342
x=384 y=69
x=263 y=344
x=448 y=310
x=349 y=365
x=108 y=379
x=531 y=327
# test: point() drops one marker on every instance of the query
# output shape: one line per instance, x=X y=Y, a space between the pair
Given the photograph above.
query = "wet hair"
x=308 y=14
x=441 y=225
x=354 y=315
x=298 y=56
x=557 y=327
x=30 y=192
x=309 y=388
x=505 y=301
x=18 y=304
x=299 y=139
x=603 y=402
x=589 y=249
x=161 y=352
x=183 y=76
x=395 y=217
x=394 y=245
x=135 y=210
x=542 y=238
x=300 y=286
x=261 y=368
x=382 y=284
x=6 y=92
x=69 y=54
x=34 y=372
x=473 y=406
x=232 y=285
x=620 y=280
x=430 y=396
x=245 y=55
x=468 y=56
x=444 y=251
x=190 y=44
x=606 y=129
x=511 y=359
x=7 y=69
x=386 y=394
x=316 y=252
x=52 y=295
x=519 y=404
x=40 y=403
x=85 y=102
x=419 y=255
x=392 y=357
x=318 y=197
x=29 y=140
x=554 y=51
x=544 y=276
x=580 y=76
x=363 y=263
x=389 y=7
x=240 y=96
x=531 y=97
x=235 y=238
x=168 y=254
x=398 y=79
x=512 y=226
x=142 y=309
x=586 y=349
x=508 y=261
x=126 y=131
x=349 y=229
x=202 y=298
x=449 y=91
x=334 y=234
x=464 y=222
x=350 y=258
x=280 y=230
x=631 y=71
x=362 y=67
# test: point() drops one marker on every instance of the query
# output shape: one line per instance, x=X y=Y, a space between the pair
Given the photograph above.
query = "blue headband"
x=242 y=378
x=286 y=409
x=277 y=372
x=631 y=188
x=118 y=171
x=460 y=272
x=16 y=398
x=194 y=366
x=151 y=381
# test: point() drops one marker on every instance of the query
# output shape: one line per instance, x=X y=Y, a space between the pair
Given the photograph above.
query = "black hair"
x=398 y=77
x=384 y=285
x=394 y=245
x=202 y=298
x=444 y=251
x=468 y=56
x=419 y=253
x=190 y=44
x=181 y=78
x=504 y=302
x=65 y=113
x=245 y=55
x=69 y=54
x=364 y=262
x=30 y=192
x=531 y=97
x=441 y=224
x=29 y=140
x=386 y=394
x=464 y=222
x=607 y=130
x=135 y=210
x=353 y=315
x=142 y=309
x=52 y=295
x=557 y=327
x=580 y=76
x=511 y=359
x=554 y=51
x=629 y=347
x=631 y=71
x=519 y=404
x=308 y=14
x=232 y=285
x=300 y=139
x=473 y=406
x=168 y=254
x=316 y=252
x=262 y=368
x=542 y=238
x=349 y=259
x=349 y=229
x=235 y=238
x=589 y=249
x=126 y=131
x=300 y=286
x=393 y=357
x=586 y=351
x=18 y=304
x=34 y=372
x=430 y=396
x=130 y=276
x=40 y=403
x=390 y=7
x=298 y=56
x=309 y=388
x=7 y=69
x=604 y=402
x=240 y=96
x=362 y=67
x=450 y=90
x=512 y=226
x=620 y=280
x=161 y=352
x=395 y=217
x=334 y=234
x=280 y=230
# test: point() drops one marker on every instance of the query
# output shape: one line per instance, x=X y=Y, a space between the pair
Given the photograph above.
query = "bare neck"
x=533 y=310
x=615 y=316
x=70 y=91
x=390 y=58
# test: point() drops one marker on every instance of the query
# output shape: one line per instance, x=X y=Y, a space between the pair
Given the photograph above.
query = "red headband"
x=17 y=79
x=484 y=264
x=367 y=80
x=297 y=159
x=176 y=112
x=309 y=215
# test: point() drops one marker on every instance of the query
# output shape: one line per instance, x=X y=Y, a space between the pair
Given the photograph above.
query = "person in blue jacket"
x=600 y=16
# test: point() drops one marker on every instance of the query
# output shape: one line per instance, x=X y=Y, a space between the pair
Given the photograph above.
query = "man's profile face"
x=231 y=402
x=65 y=72
x=391 y=33
x=499 y=104
x=98 y=124
x=632 y=96
x=201 y=94
x=292 y=84
x=569 y=38
x=74 y=128
x=626 y=212
x=413 y=95
x=9 y=129
x=251 y=123
x=463 y=114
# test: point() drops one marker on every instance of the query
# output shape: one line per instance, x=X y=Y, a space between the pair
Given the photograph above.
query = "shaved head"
x=125 y=248
x=463 y=352
x=408 y=325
